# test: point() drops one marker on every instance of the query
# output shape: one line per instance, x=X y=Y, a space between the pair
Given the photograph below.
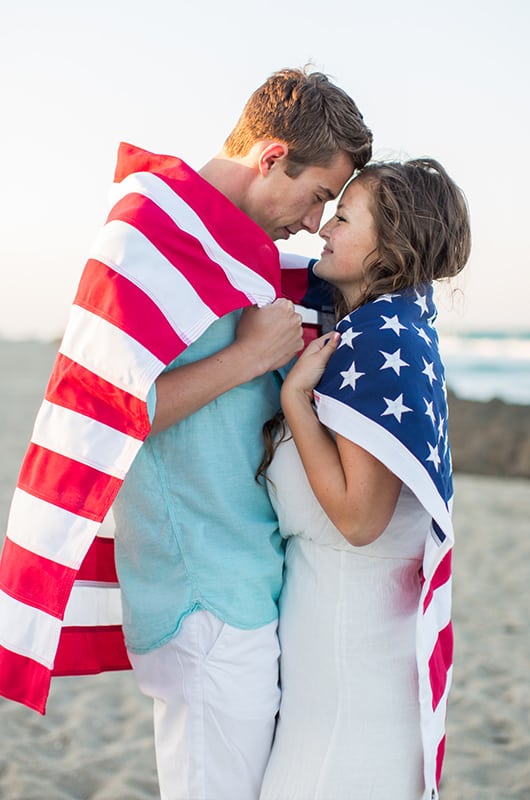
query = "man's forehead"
x=333 y=177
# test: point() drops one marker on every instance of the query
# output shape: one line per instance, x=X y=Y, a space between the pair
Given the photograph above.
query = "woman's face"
x=350 y=238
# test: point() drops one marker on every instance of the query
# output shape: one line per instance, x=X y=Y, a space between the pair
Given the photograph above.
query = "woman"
x=363 y=490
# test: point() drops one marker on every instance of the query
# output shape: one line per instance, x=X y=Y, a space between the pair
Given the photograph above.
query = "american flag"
x=384 y=389
x=173 y=256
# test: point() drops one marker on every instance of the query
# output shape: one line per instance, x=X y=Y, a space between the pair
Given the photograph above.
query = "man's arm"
x=266 y=339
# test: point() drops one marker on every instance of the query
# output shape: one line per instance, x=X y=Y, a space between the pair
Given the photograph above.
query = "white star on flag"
x=348 y=336
x=350 y=377
x=395 y=407
x=429 y=370
x=430 y=411
x=421 y=301
x=393 y=361
x=434 y=455
x=441 y=429
x=385 y=298
x=423 y=334
x=393 y=323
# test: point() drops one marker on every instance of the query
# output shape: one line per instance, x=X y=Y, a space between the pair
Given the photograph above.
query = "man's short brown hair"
x=312 y=116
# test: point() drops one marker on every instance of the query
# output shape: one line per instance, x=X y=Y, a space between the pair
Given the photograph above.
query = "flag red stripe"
x=182 y=250
x=77 y=388
x=236 y=233
x=98 y=564
x=441 y=575
x=66 y=483
x=440 y=663
x=112 y=296
x=90 y=650
x=133 y=159
x=35 y=580
x=294 y=284
x=24 y=680
x=310 y=332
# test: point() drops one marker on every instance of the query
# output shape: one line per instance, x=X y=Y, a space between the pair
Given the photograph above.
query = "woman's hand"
x=310 y=366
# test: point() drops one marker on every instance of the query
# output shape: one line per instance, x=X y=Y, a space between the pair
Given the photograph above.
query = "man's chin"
x=279 y=235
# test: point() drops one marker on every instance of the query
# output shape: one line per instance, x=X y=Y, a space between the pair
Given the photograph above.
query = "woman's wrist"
x=296 y=400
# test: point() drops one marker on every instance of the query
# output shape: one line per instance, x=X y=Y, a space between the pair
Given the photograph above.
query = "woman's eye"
x=339 y=218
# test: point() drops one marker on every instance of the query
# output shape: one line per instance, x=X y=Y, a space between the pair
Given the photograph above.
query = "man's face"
x=282 y=206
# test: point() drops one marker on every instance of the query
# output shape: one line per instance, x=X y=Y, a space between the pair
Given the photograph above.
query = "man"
x=198 y=553
x=213 y=672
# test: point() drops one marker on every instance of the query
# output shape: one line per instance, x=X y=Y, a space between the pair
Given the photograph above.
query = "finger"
x=329 y=340
x=333 y=339
x=284 y=301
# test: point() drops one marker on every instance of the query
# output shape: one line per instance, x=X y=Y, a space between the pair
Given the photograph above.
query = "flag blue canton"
x=387 y=368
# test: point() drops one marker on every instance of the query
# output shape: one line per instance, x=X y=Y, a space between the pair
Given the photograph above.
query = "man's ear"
x=271 y=154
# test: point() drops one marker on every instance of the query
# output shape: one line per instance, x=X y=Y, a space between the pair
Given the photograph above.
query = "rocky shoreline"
x=489 y=438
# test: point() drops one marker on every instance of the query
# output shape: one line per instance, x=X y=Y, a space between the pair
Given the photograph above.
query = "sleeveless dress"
x=349 y=726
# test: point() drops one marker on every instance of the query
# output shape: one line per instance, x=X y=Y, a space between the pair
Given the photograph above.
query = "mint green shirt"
x=194 y=529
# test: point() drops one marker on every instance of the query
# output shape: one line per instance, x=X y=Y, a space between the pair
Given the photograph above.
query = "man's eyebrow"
x=331 y=195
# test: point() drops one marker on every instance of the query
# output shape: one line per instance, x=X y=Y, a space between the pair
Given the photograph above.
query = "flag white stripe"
x=433 y=556
x=79 y=437
x=436 y=617
x=122 y=247
x=93 y=604
x=309 y=315
x=294 y=261
x=433 y=728
x=108 y=526
x=257 y=289
x=28 y=631
x=109 y=352
x=61 y=536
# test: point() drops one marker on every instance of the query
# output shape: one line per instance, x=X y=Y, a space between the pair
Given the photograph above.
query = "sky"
x=448 y=80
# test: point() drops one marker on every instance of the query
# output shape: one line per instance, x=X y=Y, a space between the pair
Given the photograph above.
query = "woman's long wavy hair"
x=422 y=225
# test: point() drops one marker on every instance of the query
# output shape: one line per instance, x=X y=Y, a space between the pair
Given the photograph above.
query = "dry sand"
x=96 y=739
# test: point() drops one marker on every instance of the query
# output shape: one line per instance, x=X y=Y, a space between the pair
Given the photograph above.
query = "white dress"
x=349 y=720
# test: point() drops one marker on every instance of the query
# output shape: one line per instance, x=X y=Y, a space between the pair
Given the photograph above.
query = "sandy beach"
x=96 y=740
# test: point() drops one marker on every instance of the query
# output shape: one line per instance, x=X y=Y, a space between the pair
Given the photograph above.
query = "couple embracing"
x=251 y=478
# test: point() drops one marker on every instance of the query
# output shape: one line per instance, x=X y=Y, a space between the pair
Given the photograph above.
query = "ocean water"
x=483 y=365
x=479 y=365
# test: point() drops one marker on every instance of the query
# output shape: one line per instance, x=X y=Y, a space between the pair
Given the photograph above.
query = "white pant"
x=215 y=692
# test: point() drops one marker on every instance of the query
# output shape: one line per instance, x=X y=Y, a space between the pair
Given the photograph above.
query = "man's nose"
x=312 y=219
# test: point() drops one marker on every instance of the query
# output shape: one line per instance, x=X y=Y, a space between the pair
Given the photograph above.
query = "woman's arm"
x=266 y=339
x=357 y=492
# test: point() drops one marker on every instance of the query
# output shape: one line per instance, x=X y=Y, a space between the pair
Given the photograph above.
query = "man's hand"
x=266 y=339
x=270 y=336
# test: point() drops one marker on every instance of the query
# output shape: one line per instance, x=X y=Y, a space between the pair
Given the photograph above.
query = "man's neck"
x=230 y=176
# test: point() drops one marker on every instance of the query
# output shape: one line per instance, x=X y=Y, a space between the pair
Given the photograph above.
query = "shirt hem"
x=138 y=650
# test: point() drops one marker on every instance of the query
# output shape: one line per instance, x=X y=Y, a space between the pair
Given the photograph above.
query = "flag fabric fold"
x=173 y=256
x=384 y=389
